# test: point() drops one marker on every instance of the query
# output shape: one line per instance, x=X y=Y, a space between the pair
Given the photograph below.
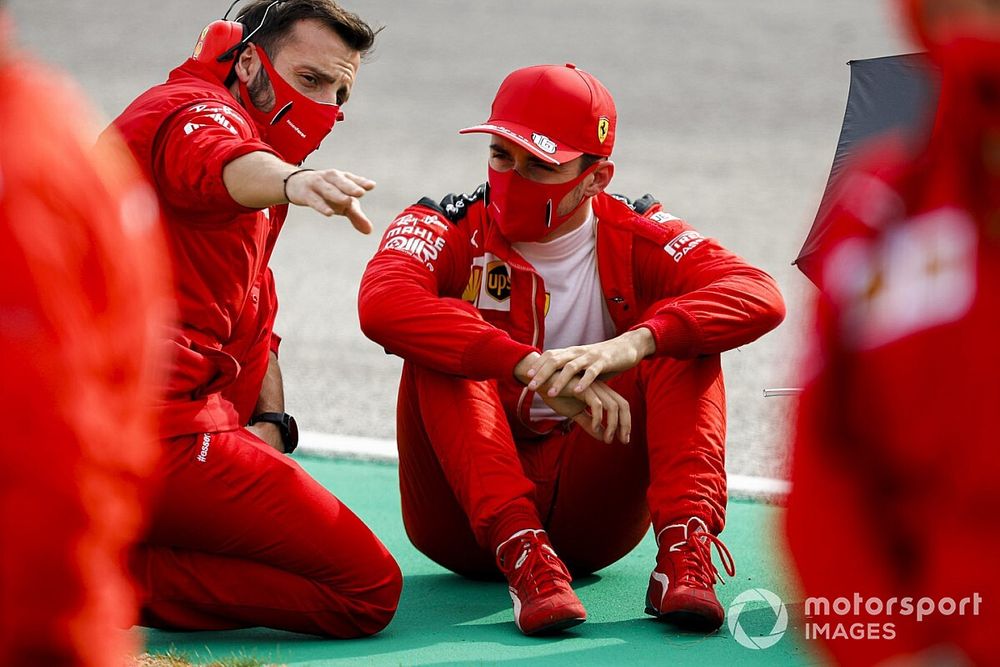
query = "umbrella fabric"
x=889 y=94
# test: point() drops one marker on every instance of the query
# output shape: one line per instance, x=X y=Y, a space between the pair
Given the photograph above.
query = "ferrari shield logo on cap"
x=603 y=125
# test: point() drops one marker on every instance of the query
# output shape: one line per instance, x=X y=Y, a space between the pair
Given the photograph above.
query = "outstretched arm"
x=207 y=158
x=260 y=179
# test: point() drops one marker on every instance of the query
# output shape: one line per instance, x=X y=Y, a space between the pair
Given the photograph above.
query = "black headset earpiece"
x=222 y=41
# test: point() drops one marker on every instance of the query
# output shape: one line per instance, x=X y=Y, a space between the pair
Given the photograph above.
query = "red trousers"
x=466 y=484
x=242 y=536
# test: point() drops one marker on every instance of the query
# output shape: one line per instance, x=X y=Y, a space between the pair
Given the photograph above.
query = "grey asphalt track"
x=729 y=112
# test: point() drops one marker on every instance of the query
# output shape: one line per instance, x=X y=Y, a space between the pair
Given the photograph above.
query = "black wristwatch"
x=286 y=424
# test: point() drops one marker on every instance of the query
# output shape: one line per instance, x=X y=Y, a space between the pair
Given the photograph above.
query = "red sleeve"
x=706 y=299
x=405 y=303
x=193 y=148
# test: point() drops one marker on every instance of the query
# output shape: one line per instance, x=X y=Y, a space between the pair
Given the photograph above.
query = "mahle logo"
x=757 y=595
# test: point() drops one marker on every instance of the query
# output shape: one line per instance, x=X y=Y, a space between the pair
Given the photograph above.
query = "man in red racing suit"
x=83 y=300
x=632 y=308
x=894 y=504
x=242 y=536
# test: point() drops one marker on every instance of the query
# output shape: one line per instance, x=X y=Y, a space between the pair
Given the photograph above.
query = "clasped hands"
x=572 y=381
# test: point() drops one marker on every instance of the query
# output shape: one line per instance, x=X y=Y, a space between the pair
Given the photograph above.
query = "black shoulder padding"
x=644 y=203
x=640 y=205
x=455 y=207
x=625 y=200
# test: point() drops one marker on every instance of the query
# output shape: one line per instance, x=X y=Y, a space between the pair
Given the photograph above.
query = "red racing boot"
x=682 y=586
x=539 y=584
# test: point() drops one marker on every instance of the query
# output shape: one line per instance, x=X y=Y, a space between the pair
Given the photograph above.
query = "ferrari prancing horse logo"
x=603 y=126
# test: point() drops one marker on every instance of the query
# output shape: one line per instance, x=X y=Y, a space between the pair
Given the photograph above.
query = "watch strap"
x=283 y=421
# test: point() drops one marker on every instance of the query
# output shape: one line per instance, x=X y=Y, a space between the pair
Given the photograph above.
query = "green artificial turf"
x=446 y=620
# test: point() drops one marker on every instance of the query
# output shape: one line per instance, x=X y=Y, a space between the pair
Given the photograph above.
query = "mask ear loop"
x=263 y=20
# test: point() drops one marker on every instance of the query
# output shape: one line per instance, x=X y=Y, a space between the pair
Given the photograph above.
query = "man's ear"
x=601 y=178
x=247 y=64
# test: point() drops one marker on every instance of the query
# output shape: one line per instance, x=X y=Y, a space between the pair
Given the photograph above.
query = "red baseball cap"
x=557 y=112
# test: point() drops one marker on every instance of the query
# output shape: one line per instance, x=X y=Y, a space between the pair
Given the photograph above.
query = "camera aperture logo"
x=759 y=596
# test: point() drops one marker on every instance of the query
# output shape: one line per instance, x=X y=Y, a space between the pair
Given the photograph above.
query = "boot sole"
x=686 y=620
x=555 y=627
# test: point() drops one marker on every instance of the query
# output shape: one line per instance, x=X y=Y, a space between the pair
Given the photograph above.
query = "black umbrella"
x=893 y=93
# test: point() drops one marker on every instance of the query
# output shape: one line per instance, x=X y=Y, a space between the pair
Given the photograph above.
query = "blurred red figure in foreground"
x=895 y=504
x=82 y=261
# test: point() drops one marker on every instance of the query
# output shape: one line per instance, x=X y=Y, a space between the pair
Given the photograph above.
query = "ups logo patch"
x=498 y=281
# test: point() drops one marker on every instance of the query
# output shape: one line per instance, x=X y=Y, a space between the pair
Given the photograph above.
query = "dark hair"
x=281 y=18
x=588 y=159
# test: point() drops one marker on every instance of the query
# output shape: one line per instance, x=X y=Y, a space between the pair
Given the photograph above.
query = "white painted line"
x=328 y=445
x=758 y=488
x=783 y=391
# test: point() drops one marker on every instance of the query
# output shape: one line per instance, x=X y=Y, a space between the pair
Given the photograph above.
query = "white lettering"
x=873 y=606
x=544 y=143
x=662 y=216
x=817 y=607
x=416 y=241
x=206 y=440
x=433 y=220
x=925 y=607
x=224 y=122
x=683 y=243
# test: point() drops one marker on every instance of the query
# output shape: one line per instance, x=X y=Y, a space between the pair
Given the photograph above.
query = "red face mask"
x=525 y=210
x=296 y=124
